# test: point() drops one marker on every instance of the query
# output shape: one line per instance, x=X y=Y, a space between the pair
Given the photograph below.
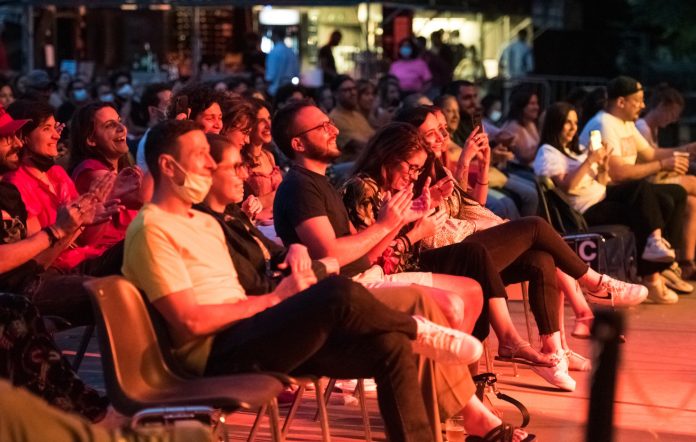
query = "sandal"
x=512 y=353
x=502 y=433
x=577 y=362
x=582 y=328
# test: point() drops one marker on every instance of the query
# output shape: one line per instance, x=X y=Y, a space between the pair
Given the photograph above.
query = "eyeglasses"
x=414 y=169
x=327 y=125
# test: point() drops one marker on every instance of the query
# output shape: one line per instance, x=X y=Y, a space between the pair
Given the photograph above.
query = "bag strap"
x=485 y=380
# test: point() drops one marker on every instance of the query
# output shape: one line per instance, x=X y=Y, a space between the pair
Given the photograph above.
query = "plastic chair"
x=138 y=379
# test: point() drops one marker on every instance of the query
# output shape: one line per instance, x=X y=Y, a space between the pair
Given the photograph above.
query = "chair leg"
x=274 y=421
x=323 y=415
x=82 y=349
x=257 y=422
x=360 y=390
x=487 y=356
x=327 y=394
x=293 y=409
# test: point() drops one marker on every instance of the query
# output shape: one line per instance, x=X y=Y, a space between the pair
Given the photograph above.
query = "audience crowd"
x=359 y=231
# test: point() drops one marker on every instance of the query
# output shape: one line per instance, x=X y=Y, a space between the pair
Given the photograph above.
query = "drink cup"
x=454 y=429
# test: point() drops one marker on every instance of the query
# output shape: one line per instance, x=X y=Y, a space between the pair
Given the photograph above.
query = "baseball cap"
x=8 y=125
x=622 y=86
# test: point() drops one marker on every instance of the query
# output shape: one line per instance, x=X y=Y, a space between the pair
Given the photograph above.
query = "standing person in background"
x=327 y=62
x=281 y=63
x=517 y=59
x=412 y=72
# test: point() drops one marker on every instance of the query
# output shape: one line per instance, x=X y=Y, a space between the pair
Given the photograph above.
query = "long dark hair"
x=519 y=98
x=391 y=144
x=81 y=128
x=556 y=116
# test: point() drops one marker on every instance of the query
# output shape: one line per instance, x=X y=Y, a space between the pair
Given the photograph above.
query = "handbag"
x=486 y=384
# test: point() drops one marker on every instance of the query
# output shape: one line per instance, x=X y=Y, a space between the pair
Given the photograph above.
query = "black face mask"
x=42 y=162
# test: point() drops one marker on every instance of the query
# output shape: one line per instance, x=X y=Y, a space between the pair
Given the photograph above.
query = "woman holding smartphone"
x=583 y=177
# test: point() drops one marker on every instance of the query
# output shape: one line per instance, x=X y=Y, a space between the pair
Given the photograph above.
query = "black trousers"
x=335 y=328
x=643 y=207
x=62 y=294
x=472 y=260
x=529 y=249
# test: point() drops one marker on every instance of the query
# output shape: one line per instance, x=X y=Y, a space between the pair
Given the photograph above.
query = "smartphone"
x=181 y=105
x=476 y=120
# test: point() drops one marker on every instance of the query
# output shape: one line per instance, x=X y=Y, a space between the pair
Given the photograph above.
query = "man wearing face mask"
x=179 y=258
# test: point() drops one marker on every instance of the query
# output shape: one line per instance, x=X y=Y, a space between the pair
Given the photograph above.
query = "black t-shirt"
x=13 y=228
x=304 y=194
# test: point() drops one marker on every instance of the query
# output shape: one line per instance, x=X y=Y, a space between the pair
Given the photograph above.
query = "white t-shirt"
x=644 y=130
x=622 y=137
x=551 y=162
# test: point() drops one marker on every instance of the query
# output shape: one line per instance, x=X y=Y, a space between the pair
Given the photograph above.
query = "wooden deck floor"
x=656 y=395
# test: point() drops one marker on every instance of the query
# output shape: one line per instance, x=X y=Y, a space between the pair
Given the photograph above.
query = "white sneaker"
x=444 y=344
x=658 y=250
x=558 y=374
x=661 y=294
x=616 y=293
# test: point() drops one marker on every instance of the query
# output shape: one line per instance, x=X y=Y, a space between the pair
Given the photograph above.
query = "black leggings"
x=643 y=207
x=335 y=328
x=529 y=249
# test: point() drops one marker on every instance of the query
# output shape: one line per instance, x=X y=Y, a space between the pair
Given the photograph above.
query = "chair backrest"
x=132 y=360
x=557 y=210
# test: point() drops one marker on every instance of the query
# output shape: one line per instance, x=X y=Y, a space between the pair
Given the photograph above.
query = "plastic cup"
x=454 y=429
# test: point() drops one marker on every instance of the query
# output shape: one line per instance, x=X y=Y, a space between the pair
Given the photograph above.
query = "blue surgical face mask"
x=126 y=91
x=80 y=95
x=495 y=115
x=107 y=98
x=406 y=51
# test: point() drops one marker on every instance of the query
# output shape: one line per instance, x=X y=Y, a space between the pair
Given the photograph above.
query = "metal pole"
x=196 y=42
x=28 y=38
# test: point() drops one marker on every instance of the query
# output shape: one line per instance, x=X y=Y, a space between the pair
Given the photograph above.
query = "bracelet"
x=409 y=246
x=52 y=237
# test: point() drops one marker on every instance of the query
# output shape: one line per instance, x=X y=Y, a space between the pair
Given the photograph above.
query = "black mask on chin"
x=42 y=162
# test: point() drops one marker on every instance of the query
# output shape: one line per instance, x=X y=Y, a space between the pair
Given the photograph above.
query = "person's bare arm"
x=320 y=238
x=188 y=319
x=650 y=165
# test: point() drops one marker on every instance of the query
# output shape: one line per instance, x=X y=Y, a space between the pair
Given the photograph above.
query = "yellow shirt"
x=167 y=253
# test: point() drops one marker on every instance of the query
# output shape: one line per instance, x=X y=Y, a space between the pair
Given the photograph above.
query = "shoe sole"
x=662 y=259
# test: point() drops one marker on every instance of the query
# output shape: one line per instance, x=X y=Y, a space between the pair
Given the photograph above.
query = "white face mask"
x=194 y=188
x=495 y=115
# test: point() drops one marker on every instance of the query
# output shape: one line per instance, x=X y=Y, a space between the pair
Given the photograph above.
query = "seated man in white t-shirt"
x=632 y=157
x=179 y=258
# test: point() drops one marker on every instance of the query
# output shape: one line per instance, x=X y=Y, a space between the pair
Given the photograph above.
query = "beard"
x=10 y=161
x=324 y=154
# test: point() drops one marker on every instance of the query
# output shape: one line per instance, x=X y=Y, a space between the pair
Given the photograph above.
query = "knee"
x=543 y=261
